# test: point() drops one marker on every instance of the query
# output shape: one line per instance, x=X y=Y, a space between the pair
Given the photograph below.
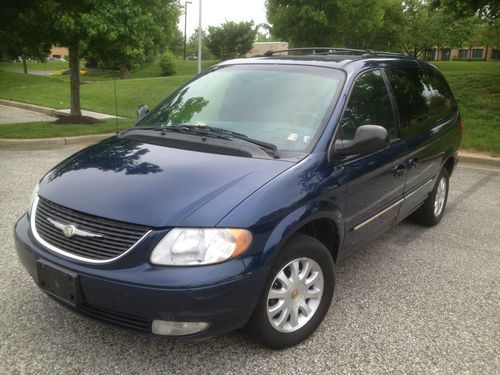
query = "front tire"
x=432 y=210
x=297 y=294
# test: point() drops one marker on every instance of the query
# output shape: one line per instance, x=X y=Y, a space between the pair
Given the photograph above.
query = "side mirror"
x=142 y=111
x=368 y=139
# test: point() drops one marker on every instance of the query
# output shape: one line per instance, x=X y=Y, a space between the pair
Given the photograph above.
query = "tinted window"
x=439 y=97
x=423 y=98
x=369 y=104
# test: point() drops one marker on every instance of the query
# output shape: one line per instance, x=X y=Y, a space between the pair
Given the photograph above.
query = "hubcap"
x=295 y=295
x=440 y=197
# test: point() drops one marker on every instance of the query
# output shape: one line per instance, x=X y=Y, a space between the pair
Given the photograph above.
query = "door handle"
x=399 y=170
x=412 y=163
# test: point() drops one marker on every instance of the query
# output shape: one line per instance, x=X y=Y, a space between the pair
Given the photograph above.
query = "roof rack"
x=338 y=51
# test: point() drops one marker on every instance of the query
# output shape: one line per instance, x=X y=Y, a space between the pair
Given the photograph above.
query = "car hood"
x=135 y=182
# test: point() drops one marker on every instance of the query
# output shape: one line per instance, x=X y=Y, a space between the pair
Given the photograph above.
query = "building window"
x=495 y=54
x=445 y=54
x=431 y=54
x=463 y=53
x=477 y=53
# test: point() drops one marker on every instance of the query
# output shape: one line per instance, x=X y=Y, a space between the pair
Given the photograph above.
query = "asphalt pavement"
x=416 y=301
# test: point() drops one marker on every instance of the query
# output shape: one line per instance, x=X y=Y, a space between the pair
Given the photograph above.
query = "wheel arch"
x=449 y=161
x=325 y=224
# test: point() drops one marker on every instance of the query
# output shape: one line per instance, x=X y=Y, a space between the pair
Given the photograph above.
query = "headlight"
x=196 y=246
x=34 y=194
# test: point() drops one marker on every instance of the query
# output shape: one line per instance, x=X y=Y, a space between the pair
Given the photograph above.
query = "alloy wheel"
x=440 y=197
x=295 y=295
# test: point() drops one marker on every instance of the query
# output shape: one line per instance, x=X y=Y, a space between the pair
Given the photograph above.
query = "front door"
x=375 y=181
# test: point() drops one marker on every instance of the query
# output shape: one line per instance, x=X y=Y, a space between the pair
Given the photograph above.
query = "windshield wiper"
x=211 y=130
x=265 y=145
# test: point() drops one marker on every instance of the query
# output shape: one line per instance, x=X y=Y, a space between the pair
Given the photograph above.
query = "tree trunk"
x=485 y=53
x=25 y=65
x=74 y=66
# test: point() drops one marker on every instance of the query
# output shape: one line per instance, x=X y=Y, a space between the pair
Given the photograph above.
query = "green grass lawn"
x=96 y=96
x=51 y=130
x=184 y=68
x=475 y=84
x=17 y=67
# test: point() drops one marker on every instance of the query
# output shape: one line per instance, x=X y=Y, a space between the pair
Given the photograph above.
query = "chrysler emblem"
x=69 y=231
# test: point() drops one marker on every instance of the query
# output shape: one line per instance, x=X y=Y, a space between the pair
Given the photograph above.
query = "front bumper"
x=132 y=296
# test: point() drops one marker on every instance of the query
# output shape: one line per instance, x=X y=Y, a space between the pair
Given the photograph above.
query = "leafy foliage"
x=341 y=23
x=120 y=34
x=410 y=25
x=167 y=64
x=231 y=39
x=192 y=46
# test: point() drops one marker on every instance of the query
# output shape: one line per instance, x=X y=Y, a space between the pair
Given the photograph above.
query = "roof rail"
x=337 y=51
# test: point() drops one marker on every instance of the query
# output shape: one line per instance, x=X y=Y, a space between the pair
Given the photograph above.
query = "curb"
x=51 y=143
x=478 y=159
x=53 y=112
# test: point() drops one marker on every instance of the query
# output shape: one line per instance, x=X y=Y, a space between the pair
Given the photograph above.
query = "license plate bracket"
x=58 y=282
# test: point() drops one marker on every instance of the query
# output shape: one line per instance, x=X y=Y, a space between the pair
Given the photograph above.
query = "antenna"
x=116 y=103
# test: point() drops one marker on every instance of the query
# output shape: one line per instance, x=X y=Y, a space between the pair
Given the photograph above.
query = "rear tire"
x=432 y=211
x=296 y=296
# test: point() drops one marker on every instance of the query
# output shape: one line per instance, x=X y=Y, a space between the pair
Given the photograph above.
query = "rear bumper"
x=223 y=295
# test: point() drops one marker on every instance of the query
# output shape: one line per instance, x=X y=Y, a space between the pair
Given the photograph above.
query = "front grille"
x=119 y=319
x=116 y=237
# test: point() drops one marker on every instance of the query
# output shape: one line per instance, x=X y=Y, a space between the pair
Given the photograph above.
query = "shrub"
x=167 y=64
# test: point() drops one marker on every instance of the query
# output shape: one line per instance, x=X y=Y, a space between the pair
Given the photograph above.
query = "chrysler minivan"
x=229 y=204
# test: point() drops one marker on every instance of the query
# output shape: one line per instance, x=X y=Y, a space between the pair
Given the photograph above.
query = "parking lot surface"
x=418 y=300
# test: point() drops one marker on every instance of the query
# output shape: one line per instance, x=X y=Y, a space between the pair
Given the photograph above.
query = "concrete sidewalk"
x=15 y=115
x=11 y=106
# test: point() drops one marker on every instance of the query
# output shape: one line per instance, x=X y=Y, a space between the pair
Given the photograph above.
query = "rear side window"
x=423 y=98
x=369 y=104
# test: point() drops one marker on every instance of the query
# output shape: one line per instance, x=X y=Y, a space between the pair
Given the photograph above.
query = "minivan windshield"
x=283 y=105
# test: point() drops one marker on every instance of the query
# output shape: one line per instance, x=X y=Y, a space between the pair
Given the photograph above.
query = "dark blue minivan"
x=230 y=202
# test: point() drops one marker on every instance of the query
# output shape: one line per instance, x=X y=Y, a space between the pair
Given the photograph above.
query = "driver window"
x=369 y=104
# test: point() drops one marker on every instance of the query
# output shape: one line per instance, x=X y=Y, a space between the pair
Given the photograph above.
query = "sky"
x=215 y=12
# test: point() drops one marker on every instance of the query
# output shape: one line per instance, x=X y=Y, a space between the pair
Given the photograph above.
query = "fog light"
x=163 y=327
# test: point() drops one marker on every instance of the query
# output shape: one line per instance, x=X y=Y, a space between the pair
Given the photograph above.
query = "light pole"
x=185 y=26
x=200 y=34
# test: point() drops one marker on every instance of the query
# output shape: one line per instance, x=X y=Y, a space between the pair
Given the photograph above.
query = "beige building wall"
x=259 y=48
x=59 y=51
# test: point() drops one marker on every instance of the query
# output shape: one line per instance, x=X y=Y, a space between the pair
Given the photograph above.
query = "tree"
x=231 y=39
x=16 y=33
x=175 y=43
x=264 y=33
x=192 y=45
x=127 y=44
x=485 y=9
x=339 y=23
x=120 y=32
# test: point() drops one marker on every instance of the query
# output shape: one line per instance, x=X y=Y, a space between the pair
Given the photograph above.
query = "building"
x=471 y=53
x=59 y=53
x=259 y=48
